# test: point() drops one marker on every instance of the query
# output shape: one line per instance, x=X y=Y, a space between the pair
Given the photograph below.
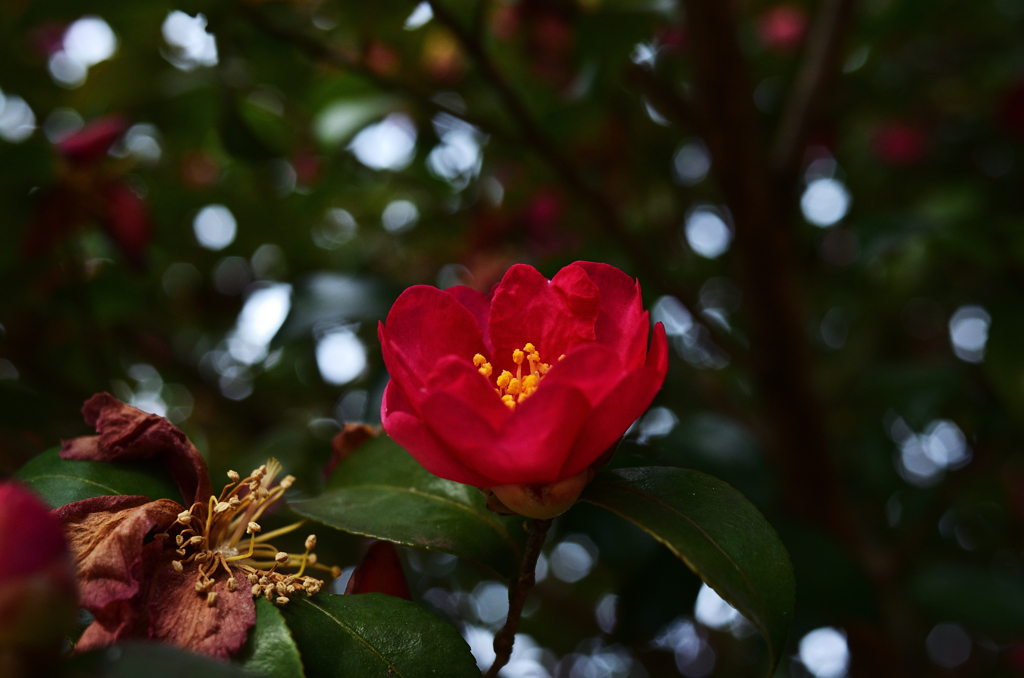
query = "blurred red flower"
x=782 y=28
x=38 y=598
x=520 y=391
x=897 y=143
x=85 y=191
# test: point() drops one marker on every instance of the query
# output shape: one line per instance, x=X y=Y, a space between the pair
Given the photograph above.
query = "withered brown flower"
x=161 y=571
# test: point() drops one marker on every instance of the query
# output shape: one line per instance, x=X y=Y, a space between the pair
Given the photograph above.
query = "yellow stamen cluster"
x=515 y=389
x=212 y=534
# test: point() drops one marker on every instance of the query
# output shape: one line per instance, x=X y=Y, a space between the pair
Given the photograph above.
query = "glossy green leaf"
x=62 y=481
x=382 y=492
x=270 y=650
x=373 y=634
x=720 y=535
x=134 y=659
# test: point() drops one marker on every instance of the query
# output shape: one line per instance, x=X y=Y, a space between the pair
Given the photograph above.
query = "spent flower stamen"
x=212 y=534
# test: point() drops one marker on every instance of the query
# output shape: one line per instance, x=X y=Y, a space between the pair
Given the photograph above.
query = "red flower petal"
x=129 y=434
x=107 y=536
x=424 y=325
x=479 y=304
x=380 y=571
x=594 y=369
x=182 y=617
x=537 y=440
x=409 y=430
x=468 y=437
x=554 y=316
x=620 y=408
x=622 y=323
x=127 y=221
x=91 y=143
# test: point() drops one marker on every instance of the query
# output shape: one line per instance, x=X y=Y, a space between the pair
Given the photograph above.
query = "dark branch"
x=819 y=68
x=517 y=590
x=768 y=275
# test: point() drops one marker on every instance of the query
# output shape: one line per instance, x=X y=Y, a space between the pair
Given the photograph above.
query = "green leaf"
x=720 y=535
x=380 y=491
x=62 y=481
x=270 y=650
x=373 y=634
x=133 y=659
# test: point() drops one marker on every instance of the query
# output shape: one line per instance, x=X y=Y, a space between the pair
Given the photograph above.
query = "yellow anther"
x=504 y=379
x=518 y=356
x=486 y=369
x=509 y=401
x=479 y=360
x=530 y=382
x=561 y=356
x=522 y=396
x=515 y=387
x=543 y=368
x=530 y=348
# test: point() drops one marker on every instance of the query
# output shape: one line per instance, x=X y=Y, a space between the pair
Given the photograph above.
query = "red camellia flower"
x=520 y=391
x=179 y=574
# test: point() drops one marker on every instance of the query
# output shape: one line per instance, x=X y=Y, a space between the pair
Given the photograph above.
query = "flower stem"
x=517 y=590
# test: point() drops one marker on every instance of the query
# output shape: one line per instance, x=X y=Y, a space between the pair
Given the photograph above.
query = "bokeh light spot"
x=340 y=356
x=707 y=233
x=824 y=653
x=387 y=145
x=824 y=202
x=215 y=227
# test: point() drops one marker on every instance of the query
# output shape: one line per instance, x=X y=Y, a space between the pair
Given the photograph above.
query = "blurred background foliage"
x=844 y=302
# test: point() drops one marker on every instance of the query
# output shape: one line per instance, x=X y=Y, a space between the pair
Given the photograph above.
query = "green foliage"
x=270 y=650
x=382 y=492
x=62 y=481
x=375 y=634
x=720 y=535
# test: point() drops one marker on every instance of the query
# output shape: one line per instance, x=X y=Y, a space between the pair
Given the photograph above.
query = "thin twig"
x=517 y=590
x=816 y=72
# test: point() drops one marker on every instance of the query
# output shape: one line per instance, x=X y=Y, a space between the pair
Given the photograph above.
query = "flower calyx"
x=538 y=501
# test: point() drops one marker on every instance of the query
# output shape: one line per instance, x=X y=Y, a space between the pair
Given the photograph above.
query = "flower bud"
x=38 y=597
x=546 y=501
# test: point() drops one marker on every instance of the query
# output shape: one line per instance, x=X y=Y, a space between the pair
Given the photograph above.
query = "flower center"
x=213 y=532
x=515 y=389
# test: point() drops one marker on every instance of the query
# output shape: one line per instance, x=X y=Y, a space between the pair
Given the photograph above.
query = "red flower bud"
x=521 y=391
x=380 y=571
x=38 y=599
